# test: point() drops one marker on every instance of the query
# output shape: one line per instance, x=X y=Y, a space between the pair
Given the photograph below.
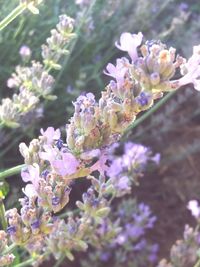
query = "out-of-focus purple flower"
x=25 y=52
x=116 y=168
x=129 y=43
x=183 y=6
x=11 y=83
x=105 y=256
x=121 y=239
x=50 y=135
x=134 y=231
x=140 y=245
x=153 y=254
x=118 y=72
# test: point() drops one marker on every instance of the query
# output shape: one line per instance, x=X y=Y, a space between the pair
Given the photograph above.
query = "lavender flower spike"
x=129 y=43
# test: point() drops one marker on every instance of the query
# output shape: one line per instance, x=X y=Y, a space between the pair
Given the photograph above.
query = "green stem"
x=26 y=263
x=11 y=171
x=197 y=264
x=9 y=249
x=59 y=261
x=15 y=13
x=2 y=215
x=65 y=214
x=150 y=111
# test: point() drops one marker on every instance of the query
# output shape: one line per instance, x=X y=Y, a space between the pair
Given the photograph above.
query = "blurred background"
x=173 y=130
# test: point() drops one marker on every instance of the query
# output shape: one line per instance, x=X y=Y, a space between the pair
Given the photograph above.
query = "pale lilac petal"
x=129 y=43
x=67 y=165
x=100 y=165
x=29 y=190
x=50 y=135
x=193 y=206
x=70 y=162
x=50 y=153
x=59 y=167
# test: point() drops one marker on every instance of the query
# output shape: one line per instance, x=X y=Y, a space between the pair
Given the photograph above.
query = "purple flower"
x=50 y=153
x=50 y=135
x=183 y=6
x=67 y=165
x=154 y=250
x=116 y=168
x=134 y=231
x=193 y=206
x=191 y=70
x=118 y=72
x=31 y=174
x=25 y=52
x=140 y=246
x=121 y=239
x=129 y=43
x=105 y=256
x=100 y=165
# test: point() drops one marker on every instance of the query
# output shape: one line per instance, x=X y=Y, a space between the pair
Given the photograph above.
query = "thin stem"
x=67 y=213
x=15 y=13
x=150 y=111
x=85 y=16
x=197 y=264
x=9 y=249
x=26 y=263
x=2 y=215
x=11 y=171
x=59 y=261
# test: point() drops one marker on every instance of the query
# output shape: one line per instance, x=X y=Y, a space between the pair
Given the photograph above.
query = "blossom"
x=25 y=52
x=129 y=43
x=193 y=206
x=67 y=165
x=50 y=153
x=191 y=70
x=50 y=135
x=31 y=174
x=118 y=71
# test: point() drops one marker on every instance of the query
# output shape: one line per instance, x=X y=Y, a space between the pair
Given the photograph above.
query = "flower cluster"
x=34 y=81
x=185 y=252
x=53 y=165
x=5 y=258
x=128 y=244
x=128 y=167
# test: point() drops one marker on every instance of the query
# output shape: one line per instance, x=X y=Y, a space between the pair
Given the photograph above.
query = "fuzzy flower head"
x=25 y=52
x=129 y=43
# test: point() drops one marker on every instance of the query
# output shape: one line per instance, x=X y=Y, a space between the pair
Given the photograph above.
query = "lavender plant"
x=129 y=246
x=35 y=81
x=54 y=164
x=185 y=252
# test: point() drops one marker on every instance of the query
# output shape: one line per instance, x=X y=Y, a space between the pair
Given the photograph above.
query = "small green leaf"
x=103 y=212
x=4 y=189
